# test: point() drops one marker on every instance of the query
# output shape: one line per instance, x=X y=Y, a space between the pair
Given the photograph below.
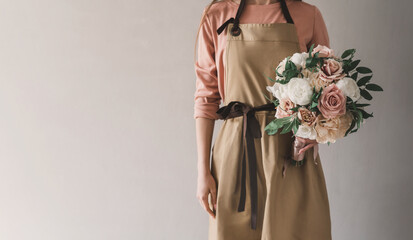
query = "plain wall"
x=97 y=136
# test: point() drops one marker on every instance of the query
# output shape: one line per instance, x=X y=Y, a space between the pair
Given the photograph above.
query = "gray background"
x=97 y=139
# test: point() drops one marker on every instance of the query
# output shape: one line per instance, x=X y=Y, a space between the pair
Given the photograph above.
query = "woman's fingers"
x=205 y=204
x=214 y=198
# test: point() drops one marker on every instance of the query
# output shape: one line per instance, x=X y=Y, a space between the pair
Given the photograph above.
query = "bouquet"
x=318 y=97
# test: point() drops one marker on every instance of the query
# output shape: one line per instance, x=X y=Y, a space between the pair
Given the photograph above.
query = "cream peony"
x=305 y=131
x=315 y=80
x=299 y=59
x=278 y=90
x=349 y=87
x=299 y=91
x=331 y=129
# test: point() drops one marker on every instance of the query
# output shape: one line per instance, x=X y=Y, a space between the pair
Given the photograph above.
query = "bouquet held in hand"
x=320 y=97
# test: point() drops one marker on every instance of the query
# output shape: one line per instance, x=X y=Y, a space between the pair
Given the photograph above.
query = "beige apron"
x=254 y=201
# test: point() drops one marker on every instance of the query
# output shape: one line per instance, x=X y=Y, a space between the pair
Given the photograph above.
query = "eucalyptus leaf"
x=276 y=124
x=355 y=76
x=287 y=127
x=311 y=49
x=348 y=52
x=362 y=104
x=366 y=114
x=365 y=94
x=373 y=87
x=364 y=80
x=363 y=70
x=353 y=124
x=353 y=65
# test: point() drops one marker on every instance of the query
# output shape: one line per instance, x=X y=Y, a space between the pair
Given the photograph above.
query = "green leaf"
x=311 y=49
x=373 y=87
x=296 y=125
x=314 y=104
x=276 y=124
x=276 y=72
x=353 y=124
x=275 y=101
x=353 y=65
x=287 y=127
x=348 y=52
x=363 y=70
x=365 y=94
x=364 y=80
x=366 y=114
x=362 y=104
x=295 y=109
x=272 y=80
x=354 y=76
x=359 y=118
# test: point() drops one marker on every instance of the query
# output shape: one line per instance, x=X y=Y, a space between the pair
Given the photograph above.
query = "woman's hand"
x=206 y=186
x=308 y=143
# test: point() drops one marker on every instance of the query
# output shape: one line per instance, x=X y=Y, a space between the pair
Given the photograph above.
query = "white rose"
x=299 y=91
x=349 y=88
x=299 y=59
x=278 y=90
x=305 y=131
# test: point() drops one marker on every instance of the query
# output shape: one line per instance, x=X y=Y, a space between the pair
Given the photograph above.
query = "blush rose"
x=332 y=102
x=331 y=71
x=284 y=109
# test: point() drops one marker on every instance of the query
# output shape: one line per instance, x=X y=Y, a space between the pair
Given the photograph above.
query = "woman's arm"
x=207 y=100
x=206 y=183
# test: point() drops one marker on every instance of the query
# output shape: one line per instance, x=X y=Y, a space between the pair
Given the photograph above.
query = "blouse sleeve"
x=320 y=34
x=207 y=97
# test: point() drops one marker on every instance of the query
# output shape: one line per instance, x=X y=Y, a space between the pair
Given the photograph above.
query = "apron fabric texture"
x=254 y=201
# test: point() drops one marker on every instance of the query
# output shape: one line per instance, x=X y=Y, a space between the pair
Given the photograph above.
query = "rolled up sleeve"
x=206 y=97
x=320 y=34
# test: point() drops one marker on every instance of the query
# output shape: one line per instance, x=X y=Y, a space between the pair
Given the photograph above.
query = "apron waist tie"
x=251 y=129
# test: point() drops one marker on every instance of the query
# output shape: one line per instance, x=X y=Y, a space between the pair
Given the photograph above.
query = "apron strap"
x=235 y=31
x=250 y=130
x=286 y=13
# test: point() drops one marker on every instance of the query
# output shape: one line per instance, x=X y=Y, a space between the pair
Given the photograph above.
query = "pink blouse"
x=209 y=67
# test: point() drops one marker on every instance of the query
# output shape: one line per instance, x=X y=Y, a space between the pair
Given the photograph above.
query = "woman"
x=239 y=44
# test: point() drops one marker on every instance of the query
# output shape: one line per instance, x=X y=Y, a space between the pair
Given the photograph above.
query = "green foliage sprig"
x=286 y=124
x=351 y=68
x=290 y=71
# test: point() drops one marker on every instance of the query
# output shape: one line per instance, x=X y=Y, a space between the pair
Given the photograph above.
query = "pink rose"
x=284 y=109
x=331 y=71
x=323 y=51
x=332 y=102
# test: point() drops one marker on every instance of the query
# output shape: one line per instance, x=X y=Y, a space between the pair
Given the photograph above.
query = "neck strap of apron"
x=235 y=30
